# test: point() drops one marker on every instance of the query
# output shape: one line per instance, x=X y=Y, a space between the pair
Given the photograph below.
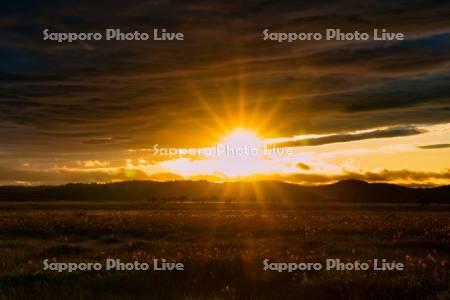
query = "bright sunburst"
x=241 y=137
x=238 y=153
x=242 y=155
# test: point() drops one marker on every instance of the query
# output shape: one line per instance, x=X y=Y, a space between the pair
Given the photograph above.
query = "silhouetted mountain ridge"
x=354 y=191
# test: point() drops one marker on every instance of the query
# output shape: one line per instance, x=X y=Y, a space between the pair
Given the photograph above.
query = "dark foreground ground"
x=223 y=247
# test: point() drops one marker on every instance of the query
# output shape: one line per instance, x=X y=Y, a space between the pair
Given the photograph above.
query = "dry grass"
x=223 y=249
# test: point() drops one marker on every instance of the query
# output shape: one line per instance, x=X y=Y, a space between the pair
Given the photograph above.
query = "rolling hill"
x=353 y=191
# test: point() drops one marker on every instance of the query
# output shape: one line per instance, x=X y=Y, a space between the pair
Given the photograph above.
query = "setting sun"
x=242 y=155
x=238 y=153
x=242 y=138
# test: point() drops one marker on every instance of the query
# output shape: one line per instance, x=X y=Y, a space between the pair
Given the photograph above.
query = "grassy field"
x=222 y=248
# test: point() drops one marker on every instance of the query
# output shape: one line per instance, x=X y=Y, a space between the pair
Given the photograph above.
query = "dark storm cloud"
x=402 y=93
x=349 y=137
x=409 y=57
x=72 y=97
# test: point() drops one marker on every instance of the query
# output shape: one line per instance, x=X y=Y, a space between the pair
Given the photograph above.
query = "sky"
x=93 y=111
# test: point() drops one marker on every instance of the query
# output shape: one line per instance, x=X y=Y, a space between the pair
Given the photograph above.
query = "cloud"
x=65 y=175
x=165 y=177
x=408 y=177
x=349 y=137
x=95 y=100
x=303 y=166
x=107 y=140
x=435 y=146
x=93 y=163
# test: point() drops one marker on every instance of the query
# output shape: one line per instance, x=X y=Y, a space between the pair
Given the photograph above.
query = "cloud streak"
x=435 y=146
x=350 y=137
